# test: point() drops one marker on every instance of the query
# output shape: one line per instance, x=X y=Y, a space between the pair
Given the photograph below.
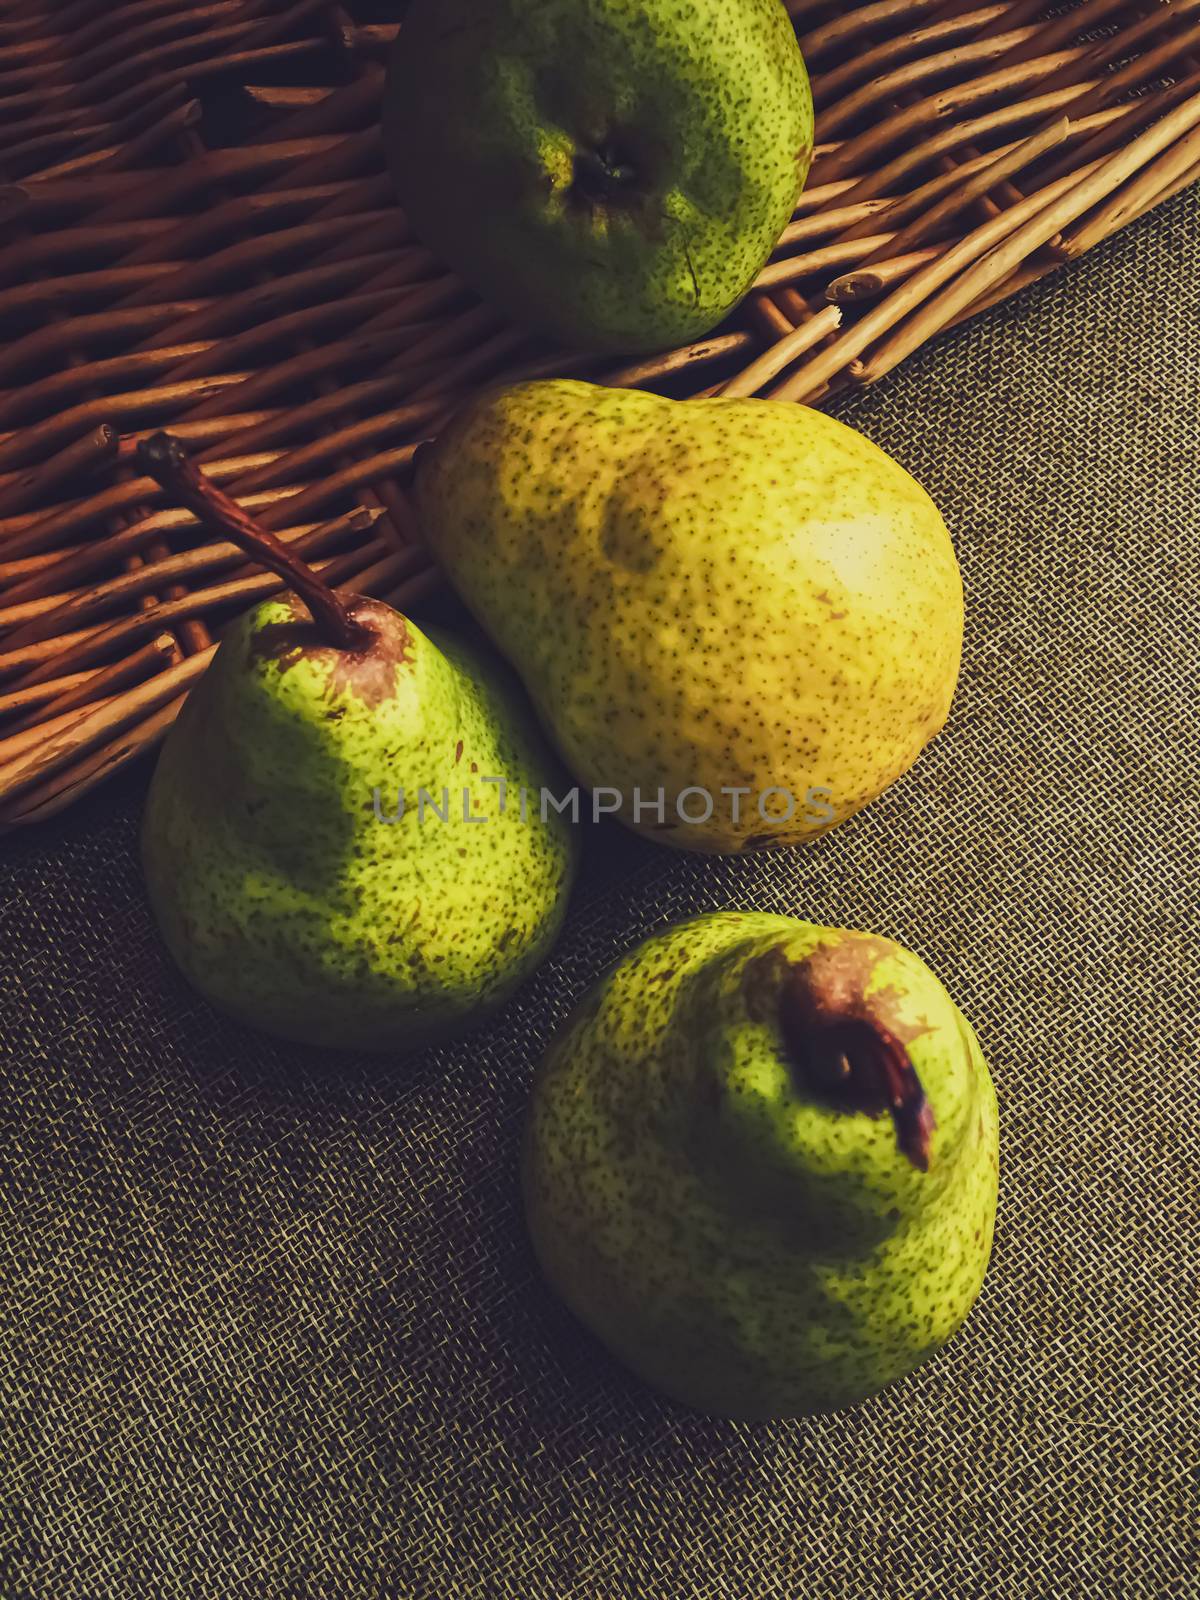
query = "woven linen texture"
x=269 y=1326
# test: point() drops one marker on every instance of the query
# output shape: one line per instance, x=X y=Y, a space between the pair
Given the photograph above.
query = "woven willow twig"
x=197 y=229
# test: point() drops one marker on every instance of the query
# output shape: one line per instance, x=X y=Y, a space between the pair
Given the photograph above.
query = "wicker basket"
x=196 y=229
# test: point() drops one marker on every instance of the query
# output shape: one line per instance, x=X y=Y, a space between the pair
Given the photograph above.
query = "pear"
x=740 y=616
x=294 y=885
x=760 y=1163
x=614 y=175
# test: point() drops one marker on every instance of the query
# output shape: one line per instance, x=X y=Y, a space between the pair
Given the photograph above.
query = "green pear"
x=615 y=175
x=740 y=606
x=293 y=883
x=760 y=1164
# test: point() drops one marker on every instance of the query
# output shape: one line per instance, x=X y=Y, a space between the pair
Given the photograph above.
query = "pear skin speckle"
x=283 y=896
x=615 y=175
x=713 y=594
x=742 y=1244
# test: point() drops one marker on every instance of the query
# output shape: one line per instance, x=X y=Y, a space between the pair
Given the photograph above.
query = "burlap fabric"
x=269 y=1326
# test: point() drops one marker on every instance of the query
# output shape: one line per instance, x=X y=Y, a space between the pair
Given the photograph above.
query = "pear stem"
x=164 y=459
x=850 y=1058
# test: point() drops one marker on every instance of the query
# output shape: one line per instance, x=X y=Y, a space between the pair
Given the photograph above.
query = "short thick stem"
x=847 y=1056
x=163 y=458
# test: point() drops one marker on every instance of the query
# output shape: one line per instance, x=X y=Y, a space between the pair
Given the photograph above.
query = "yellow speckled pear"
x=736 y=602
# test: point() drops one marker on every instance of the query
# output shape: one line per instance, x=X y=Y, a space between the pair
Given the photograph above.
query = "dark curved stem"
x=164 y=459
x=853 y=1061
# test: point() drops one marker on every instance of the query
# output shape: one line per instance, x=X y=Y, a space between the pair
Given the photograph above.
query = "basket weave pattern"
x=197 y=230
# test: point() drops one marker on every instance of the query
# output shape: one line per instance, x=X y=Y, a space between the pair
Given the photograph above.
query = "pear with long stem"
x=329 y=844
